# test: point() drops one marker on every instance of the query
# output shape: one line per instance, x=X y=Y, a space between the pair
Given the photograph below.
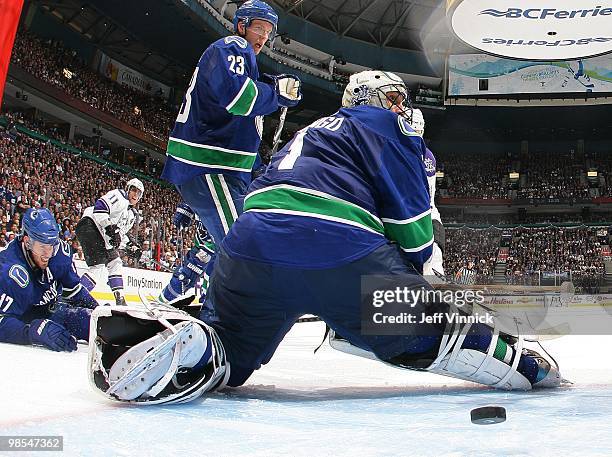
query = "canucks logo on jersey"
x=20 y=275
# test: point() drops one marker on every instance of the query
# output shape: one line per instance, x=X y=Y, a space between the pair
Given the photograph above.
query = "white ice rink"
x=320 y=404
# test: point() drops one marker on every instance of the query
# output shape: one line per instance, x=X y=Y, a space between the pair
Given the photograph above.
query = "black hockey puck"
x=488 y=415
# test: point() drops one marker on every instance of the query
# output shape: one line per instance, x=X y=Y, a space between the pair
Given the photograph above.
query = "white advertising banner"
x=149 y=282
x=480 y=74
x=125 y=75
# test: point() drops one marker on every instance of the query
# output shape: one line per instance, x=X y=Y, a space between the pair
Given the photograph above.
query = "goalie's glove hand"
x=45 y=332
x=183 y=216
x=289 y=90
x=114 y=235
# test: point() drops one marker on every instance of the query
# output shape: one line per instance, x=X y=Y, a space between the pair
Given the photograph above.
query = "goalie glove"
x=114 y=235
x=289 y=90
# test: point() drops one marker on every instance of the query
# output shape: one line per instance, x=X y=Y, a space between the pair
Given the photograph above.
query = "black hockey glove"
x=133 y=250
x=112 y=231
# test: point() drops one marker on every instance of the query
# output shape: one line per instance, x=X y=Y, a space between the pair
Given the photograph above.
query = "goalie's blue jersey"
x=219 y=126
x=24 y=287
x=344 y=186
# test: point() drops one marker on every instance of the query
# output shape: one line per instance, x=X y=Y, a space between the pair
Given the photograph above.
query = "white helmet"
x=371 y=88
x=417 y=121
x=136 y=183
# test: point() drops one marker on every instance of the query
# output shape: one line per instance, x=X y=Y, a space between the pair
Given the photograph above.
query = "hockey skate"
x=119 y=300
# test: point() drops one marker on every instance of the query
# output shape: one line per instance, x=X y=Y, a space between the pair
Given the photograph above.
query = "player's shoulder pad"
x=19 y=274
x=123 y=193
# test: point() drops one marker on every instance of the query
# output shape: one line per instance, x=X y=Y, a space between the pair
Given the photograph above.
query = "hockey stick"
x=161 y=265
x=279 y=129
x=180 y=245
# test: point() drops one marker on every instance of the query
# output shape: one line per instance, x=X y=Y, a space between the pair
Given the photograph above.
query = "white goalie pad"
x=147 y=355
x=147 y=368
x=476 y=366
x=470 y=364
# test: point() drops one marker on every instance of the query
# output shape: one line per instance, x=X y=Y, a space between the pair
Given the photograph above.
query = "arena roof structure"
x=393 y=23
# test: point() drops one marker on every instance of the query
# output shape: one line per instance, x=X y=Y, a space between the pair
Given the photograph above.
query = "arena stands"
x=37 y=173
x=554 y=175
x=48 y=60
x=475 y=175
x=467 y=245
x=575 y=253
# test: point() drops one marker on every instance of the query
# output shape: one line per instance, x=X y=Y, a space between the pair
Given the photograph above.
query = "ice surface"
x=327 y=403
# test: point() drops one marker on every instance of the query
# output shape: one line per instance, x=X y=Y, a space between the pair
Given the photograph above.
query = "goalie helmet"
x=256 y=9
x=153 y=355
x=372 y=88
x=417 y=121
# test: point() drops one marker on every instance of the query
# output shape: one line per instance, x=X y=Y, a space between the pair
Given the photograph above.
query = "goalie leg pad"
x=501 y=365
x=154 y=355
x=496 y=363
x=147 y=368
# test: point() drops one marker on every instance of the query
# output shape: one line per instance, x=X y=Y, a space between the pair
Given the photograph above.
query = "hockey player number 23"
x=186 y=106
x=295 y=150
x=236 y=64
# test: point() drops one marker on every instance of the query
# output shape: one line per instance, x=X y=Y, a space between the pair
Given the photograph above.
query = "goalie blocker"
x=153 y=355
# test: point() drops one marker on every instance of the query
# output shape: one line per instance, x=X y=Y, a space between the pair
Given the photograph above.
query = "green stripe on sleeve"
x=242 y=104
x=412 y=235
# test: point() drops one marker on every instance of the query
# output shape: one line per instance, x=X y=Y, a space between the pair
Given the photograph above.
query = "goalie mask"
x=377 y=88
x=153 y=355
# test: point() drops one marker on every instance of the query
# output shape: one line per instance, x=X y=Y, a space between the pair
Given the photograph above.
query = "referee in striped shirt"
x=466 y=275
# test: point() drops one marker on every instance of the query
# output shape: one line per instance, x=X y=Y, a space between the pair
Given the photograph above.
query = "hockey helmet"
x=136 y=183
x=417 y=121
x=40 y=225
x=256 y=9
x=371 y=88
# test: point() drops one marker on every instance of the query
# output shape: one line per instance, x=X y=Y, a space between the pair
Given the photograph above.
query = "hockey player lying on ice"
x=347 y=197
x=35 y=268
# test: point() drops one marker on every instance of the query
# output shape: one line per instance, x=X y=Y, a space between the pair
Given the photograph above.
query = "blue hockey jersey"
x=341 y=188
x=24 y=286
x=219 y=126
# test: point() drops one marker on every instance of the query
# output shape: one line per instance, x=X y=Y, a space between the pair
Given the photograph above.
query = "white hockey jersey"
x=112 y=209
